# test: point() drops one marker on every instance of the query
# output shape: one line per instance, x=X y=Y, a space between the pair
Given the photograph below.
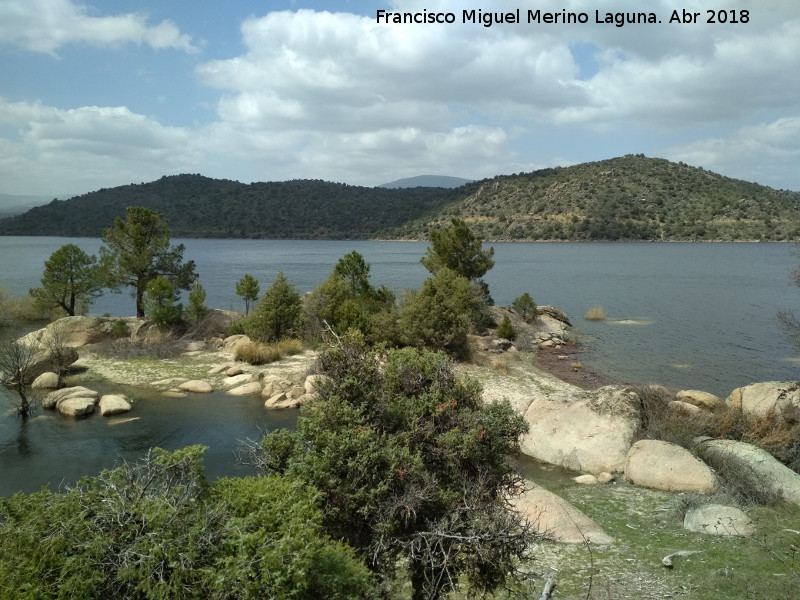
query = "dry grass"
x=257 y=353
x=595 y=313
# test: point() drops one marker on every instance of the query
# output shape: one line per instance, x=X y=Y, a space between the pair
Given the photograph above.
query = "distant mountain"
x=442 y=181
x=626 y=198
x=15 y=204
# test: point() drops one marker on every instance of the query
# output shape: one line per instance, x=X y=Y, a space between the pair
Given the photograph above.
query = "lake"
x=686 y=315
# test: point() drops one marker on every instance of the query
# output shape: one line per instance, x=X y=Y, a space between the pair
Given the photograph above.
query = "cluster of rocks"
x=277 y=392
x=550 y=329
x=77 y=401
x=594 y=432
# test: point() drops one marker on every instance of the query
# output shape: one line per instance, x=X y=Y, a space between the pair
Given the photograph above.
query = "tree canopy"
x=247 y=288
x=137 y=250
x=71 y=280
x=458 y=248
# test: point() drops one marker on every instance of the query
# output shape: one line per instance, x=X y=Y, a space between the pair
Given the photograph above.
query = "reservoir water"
x=686 y=315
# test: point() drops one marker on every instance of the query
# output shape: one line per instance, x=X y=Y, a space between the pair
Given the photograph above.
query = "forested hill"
x=627 y=198
x=197 y=206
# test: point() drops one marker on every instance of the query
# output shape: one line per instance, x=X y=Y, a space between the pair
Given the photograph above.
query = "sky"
x=109 y=92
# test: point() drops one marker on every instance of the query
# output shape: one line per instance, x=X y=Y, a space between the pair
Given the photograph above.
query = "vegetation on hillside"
x=628 y=198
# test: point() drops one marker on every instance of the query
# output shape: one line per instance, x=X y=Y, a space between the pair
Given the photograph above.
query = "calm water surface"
x=685 y=315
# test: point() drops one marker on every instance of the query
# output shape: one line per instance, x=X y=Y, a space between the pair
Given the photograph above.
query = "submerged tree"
x=71 y=280
x=137 y=250
x=17 y=360
x=413 y=469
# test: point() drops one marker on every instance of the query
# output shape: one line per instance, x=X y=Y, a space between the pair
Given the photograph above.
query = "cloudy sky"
x=108 y=92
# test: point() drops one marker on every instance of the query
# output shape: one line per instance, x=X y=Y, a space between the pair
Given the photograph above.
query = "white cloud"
x=763 y=152
x=86 y=148
x=46 y=25
x=338 y=96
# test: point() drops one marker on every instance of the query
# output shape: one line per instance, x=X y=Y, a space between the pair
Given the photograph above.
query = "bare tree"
x=16 y=362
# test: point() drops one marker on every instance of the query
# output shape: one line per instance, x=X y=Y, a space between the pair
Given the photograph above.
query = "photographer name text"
x=564 y=17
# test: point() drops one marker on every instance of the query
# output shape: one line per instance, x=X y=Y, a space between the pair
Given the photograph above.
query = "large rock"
x=700 y=399
x=557 y=518
x=716 y=519
x=113 y=404
x=52 y=399
x=46 y=381
x=76 y=406
x=582 y=430
x=198 y=386
x=232 y=342
x=74 y=332
x=248 y=389
x=237 y=380
x=754 y=467
x=761 y=399
x=664 y=466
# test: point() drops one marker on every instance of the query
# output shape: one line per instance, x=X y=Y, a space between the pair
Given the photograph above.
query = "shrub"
x=197 y=309
x=525 y=306
x=595 y=314
x=119 y=329
x=506 y=330
x=437 y=316
x=277 y=314
x=160 y=302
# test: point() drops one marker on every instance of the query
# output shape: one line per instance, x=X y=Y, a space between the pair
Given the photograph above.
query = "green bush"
x=277 y=314
x=525 y=306
x=160 y=302
x=156 y=530
x=438 y=315
x=119 y=329
x=411 y=464
x=506 y=330
x=197 y=309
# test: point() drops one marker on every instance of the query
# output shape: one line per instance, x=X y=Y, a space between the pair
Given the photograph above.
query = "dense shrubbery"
x=157 y=530
x=412 y=468
x=277 y=315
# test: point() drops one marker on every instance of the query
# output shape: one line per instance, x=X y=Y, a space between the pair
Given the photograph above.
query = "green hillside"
x=626 y=198
x=197 y=206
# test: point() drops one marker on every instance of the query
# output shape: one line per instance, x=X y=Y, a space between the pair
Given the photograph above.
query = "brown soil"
x=558 y=362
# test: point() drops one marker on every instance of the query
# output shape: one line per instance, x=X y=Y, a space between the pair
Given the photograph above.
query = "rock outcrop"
x=664 y=466
x=583 y=430
x=46 y=381
x=753 y=466
x=51 y=400
x=767 y=397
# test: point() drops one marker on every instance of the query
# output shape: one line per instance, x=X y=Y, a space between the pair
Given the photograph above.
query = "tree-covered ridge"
x=198 y=206
x=628 y=198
